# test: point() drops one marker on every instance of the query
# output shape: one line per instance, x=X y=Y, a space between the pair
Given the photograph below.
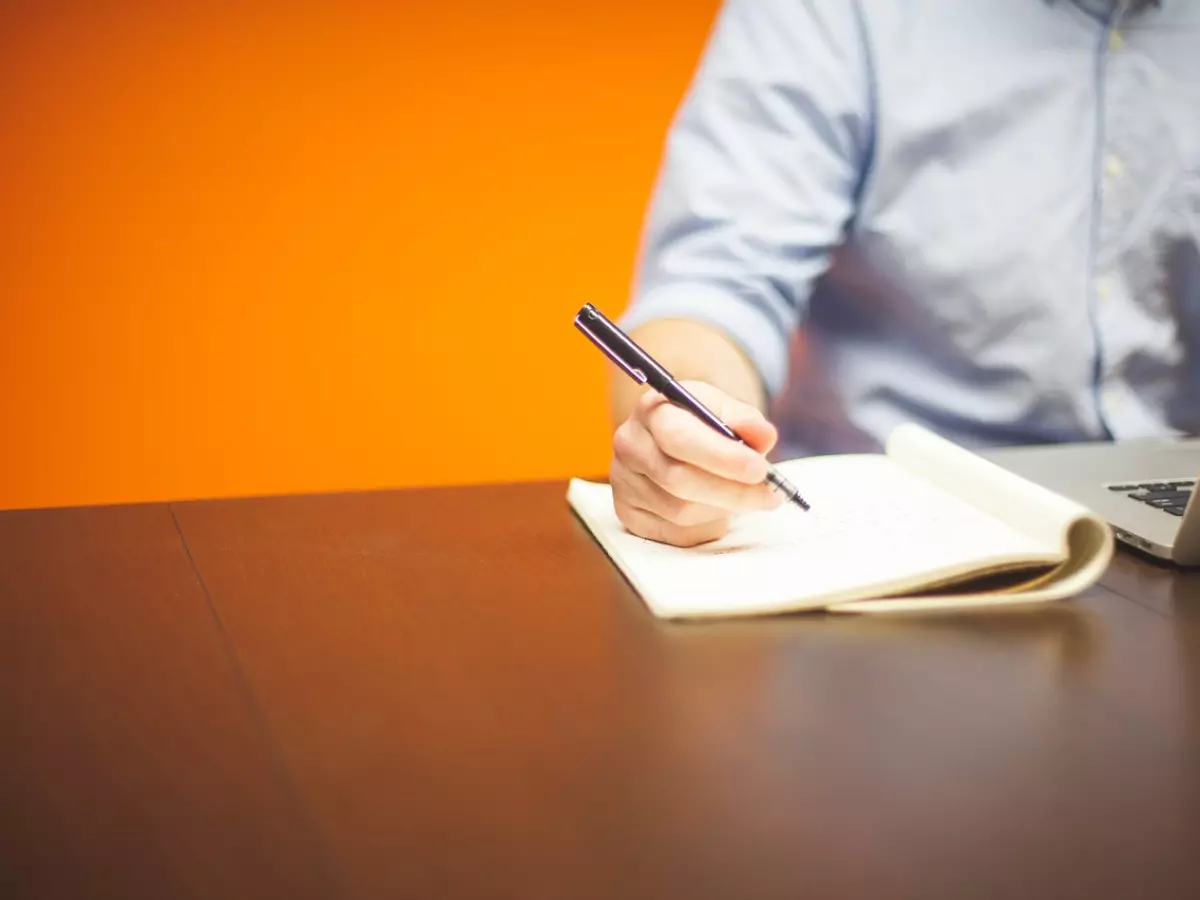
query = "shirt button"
x=1115 y=40
x=1114 y=167
x=1104 y=288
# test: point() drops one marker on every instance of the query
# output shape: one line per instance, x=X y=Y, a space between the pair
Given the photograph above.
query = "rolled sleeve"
x=760 y=176
x=753 y=329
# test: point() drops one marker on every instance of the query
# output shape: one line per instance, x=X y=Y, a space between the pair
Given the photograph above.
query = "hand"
x=678 y=481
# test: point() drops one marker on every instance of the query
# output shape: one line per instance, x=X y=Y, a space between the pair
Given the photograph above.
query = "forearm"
x=690 y=351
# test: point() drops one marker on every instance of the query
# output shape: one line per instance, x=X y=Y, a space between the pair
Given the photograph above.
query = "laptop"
x=1143 y=488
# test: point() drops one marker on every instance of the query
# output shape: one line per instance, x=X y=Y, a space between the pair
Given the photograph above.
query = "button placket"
x=1112 y=394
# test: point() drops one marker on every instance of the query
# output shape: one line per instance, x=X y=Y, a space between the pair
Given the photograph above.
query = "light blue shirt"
x=979 y=215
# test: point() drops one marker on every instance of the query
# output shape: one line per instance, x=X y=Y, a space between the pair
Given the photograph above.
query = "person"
x=979 y=215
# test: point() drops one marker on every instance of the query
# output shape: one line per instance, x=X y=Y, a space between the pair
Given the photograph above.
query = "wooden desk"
x=452 y=694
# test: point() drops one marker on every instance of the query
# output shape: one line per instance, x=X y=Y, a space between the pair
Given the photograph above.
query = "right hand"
x=676 y=480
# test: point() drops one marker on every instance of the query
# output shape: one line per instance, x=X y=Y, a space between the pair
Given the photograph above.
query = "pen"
x=639 y=366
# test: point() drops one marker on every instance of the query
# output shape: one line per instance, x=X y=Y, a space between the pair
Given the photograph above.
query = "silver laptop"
x=1143 y=488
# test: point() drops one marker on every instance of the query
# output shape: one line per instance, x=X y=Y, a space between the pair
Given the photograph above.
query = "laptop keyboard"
x=1169 y=496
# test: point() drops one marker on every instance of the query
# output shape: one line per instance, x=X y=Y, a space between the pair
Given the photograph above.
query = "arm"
x=760 y=177
x=762 y=170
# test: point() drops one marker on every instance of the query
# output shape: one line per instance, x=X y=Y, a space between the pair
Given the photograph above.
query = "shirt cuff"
x=751 y=328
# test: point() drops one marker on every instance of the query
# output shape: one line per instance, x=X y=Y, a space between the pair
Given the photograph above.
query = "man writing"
x=984 y=215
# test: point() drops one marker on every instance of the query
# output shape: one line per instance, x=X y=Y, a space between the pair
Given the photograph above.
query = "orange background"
x=255 y=247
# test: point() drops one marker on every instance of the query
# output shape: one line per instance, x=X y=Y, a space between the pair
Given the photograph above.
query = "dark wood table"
x=452 y=694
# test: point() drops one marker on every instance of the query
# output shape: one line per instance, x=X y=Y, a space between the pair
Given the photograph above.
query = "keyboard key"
x=1165 y=502
x=1174 y=510
x=1155 y=496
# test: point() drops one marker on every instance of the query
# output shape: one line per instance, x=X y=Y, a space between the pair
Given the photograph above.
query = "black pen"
x=638 y=365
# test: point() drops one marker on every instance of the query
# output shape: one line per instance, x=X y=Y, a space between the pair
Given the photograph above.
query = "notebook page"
x=1032 y=508
x=1090 y=544
x=873 y=528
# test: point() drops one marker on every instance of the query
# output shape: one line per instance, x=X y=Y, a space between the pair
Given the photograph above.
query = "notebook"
x=926 y=525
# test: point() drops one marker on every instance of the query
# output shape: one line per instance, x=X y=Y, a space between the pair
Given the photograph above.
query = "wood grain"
x=473 y=704
x=133 y=764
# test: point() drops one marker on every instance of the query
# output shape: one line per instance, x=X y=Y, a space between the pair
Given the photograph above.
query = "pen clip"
x=583 y=321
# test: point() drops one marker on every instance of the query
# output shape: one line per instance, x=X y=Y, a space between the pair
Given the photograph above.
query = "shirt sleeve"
x=760 y=175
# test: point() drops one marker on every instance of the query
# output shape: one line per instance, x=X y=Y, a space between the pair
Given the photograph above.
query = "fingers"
x=636 y=449
x=683 y=437
x=639 y=492
x=743 y=418
x=677 y=480
x=675 y=522
x=654 y=528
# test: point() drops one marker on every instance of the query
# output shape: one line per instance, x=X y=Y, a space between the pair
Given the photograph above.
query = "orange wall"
x=246 y=247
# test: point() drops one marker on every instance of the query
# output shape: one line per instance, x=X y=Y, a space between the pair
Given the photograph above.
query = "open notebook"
x=925 y=526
